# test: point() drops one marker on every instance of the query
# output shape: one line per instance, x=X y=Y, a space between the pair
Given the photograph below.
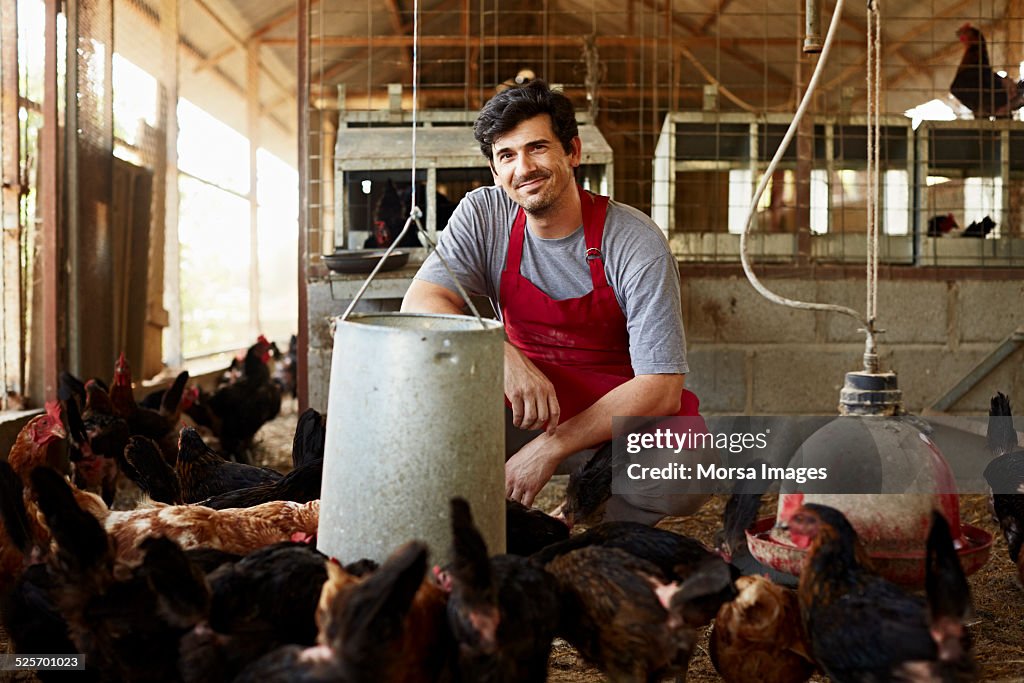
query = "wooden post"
x=172 y=249
x=302 y=82
x=12 y=332
x=252 y=107
x=48 y=208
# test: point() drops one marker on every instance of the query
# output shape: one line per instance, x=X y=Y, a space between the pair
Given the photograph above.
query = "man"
x=592 y=313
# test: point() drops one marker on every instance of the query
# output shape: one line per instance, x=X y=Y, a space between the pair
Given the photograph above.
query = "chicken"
x=1005 y=474
x=286 y=368
x=40 y=442
x=127 y=627
x=758 y=637
x=979 y=228
x=393 y=210
x=861 y=627
x=611 y=614
x=364 y=628
x=145 y=465
x=301 y=485
x=193 y=526
x=738 y=517
x=503 y=611
x=941 y=224
x=589 y=489
x=203 y=473
x=977 y=86
x=527 y=530
x=674 y=555
x=237 y=410
x=261 y=602
x=143 y=421
x=310 y=437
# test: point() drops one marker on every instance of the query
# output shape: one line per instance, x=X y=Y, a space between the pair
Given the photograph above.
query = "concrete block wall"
x=751 y=356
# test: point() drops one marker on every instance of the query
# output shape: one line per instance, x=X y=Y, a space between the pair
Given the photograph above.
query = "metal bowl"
x=364 y=260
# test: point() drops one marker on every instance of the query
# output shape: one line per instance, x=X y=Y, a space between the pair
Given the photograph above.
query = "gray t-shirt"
x=638 y=264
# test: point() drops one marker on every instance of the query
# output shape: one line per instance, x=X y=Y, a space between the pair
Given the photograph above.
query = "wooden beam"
x=228 y=81
x=744 y=58
x=239 y=42
x=893 y=48
x=712 y=16
x=534 y=40
x=257 y=34
x=913 y=62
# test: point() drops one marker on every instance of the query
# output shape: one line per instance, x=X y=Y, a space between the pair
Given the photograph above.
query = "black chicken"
x=364 y=631
x=203 y=473
x=977 y=86
x=675 y=556
x=237 y=410
x=980 y=228
x=503 y=611
x=1005 y=474
x=146 y=466
x=864 y=628
x=128 y=628
x=527 y=530
x=301 y=485
x=310 y=437
x=261 y=602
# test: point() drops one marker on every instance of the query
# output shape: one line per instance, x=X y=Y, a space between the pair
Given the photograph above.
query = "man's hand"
x=527 y=471
x=531 y=394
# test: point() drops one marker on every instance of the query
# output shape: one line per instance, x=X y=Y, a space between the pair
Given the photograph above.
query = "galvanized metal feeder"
x=415 y=416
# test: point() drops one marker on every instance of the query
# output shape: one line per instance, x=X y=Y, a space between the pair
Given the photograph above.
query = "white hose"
x=752 y=211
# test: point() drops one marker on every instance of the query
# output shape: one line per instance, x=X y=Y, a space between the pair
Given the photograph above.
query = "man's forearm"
x=645 y=395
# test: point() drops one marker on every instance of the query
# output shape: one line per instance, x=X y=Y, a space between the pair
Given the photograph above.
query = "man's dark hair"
x=509 y=108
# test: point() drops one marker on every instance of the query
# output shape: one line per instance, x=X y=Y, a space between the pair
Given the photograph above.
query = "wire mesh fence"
x=693 y=100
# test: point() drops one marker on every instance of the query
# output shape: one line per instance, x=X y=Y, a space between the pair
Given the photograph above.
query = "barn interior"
x=183 y=178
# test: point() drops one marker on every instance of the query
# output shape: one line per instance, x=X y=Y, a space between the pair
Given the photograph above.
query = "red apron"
x=581 y=345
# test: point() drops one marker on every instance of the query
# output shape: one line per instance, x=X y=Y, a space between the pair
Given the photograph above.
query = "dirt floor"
x=998 y=629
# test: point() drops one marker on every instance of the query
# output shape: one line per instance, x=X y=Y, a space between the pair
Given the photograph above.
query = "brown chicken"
x=40 y=442
x=234 y=530
x=758 y=637
x=612 y=615
x=977 y=86
x=860 y=626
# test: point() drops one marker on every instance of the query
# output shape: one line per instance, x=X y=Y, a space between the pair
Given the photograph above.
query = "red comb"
x=53 y=409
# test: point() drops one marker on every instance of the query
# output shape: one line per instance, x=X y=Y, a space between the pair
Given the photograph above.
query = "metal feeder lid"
x=870 y=393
